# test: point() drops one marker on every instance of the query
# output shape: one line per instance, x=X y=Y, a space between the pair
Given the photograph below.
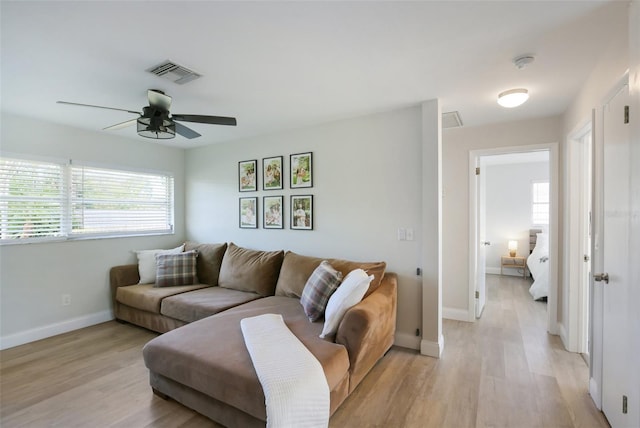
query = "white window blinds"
x=540 y=203
x=105 y=201
x=41 y=199
x=32 y=199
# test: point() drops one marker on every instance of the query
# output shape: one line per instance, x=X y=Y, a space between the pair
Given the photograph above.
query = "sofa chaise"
x=202 y=362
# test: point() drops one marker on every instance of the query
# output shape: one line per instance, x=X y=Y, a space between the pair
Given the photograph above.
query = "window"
x=32 y=199
x=41 y=200
x=540 y=202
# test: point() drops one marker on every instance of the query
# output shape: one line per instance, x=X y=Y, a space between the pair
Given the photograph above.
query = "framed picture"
x=272 y=207
x=302 y=212
x=247 y=178
x=272 y=173
x=248 y=213
x=301 y=170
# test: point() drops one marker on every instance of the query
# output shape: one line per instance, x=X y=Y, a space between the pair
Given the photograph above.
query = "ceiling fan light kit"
x=513 y=97
x=157 y=128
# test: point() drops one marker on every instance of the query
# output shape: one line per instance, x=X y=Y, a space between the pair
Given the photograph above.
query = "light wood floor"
x=503 y=371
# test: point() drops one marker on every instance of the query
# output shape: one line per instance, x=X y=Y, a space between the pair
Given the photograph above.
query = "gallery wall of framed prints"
x=271 y=173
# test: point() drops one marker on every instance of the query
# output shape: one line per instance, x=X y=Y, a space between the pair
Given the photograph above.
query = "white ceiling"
x=285 y=65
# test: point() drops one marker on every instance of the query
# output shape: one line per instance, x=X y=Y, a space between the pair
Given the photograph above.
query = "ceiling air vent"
x=451 y=119
x=174 y=72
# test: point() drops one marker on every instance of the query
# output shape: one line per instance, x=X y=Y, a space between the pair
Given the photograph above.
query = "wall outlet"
x=66 y=299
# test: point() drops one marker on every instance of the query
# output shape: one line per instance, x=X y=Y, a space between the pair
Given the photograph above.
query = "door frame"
x=552 y=298
x=578 y=316
x=479 y=221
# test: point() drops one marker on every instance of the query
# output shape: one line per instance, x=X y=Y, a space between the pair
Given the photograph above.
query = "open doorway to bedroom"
x=513 y=224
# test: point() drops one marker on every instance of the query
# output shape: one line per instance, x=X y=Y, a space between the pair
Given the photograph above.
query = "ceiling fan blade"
x=212 y=120
x=120 y=125
x=90 y=105
x=159 y=100
x=185 y=131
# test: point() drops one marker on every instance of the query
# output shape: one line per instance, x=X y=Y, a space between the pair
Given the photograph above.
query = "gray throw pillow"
x=176 y=269
x=321 y=284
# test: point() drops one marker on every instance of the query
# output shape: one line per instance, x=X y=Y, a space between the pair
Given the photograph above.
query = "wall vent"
x=174 y=72
x=451 y=119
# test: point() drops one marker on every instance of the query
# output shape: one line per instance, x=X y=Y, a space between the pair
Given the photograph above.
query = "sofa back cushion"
x=209 y=261
x=296 y=270
x=250 y=270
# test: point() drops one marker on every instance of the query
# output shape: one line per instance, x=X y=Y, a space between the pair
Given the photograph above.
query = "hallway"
x=502 y=371
x=527 y=378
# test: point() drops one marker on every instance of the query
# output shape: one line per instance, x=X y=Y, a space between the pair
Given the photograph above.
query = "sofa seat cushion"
x=148 y=298
x=211 y=357
x=194 y=306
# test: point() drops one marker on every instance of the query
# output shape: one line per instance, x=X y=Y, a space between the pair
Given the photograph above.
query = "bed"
x=538 y=263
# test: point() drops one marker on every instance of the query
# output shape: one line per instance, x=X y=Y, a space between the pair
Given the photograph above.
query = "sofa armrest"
x=367 y=329
x=119 y=276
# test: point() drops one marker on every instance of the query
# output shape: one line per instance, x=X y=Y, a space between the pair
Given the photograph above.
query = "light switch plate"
x=402 y=234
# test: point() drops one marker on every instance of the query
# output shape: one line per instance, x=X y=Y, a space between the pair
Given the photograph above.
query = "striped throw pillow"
x=176 y=269
x=321 y=284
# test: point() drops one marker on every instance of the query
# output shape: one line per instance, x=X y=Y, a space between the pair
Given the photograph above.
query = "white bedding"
x=538 y=263
x=295 y=387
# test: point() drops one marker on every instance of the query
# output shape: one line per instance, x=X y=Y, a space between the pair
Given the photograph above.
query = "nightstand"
x=514 y=263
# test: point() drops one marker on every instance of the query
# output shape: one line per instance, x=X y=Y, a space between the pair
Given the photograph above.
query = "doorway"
x=478 y=237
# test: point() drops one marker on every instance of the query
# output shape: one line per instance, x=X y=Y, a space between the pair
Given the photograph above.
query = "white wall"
x=34 y=276
x=457 y=143
x=367 y=184
x=508 y=209
x=432 y=339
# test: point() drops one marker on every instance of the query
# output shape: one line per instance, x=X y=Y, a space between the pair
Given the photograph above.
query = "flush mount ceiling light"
x=513 y=97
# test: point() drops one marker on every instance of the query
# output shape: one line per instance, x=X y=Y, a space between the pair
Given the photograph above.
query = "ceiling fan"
x=155 y=121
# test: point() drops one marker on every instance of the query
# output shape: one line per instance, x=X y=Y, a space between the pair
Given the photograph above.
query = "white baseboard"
x=492 y=270
x=38 y=333
x=406 y=340
x=595 y=393
x=432 y=349
x=562 y=333
x=458 y=314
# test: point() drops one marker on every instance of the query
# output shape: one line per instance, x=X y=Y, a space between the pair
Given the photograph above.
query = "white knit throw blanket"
x=295 y=387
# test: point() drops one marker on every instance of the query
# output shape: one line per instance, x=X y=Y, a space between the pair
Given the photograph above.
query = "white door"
x=481 y=240
x=617 y=336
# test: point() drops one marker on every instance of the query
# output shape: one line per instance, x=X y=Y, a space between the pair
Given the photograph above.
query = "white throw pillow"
x=147 y=263
x=348 y=294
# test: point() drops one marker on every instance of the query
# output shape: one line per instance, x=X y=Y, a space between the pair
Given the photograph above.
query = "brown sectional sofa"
x=204 y=364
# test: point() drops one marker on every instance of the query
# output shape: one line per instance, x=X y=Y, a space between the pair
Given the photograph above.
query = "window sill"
x=26 y=241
